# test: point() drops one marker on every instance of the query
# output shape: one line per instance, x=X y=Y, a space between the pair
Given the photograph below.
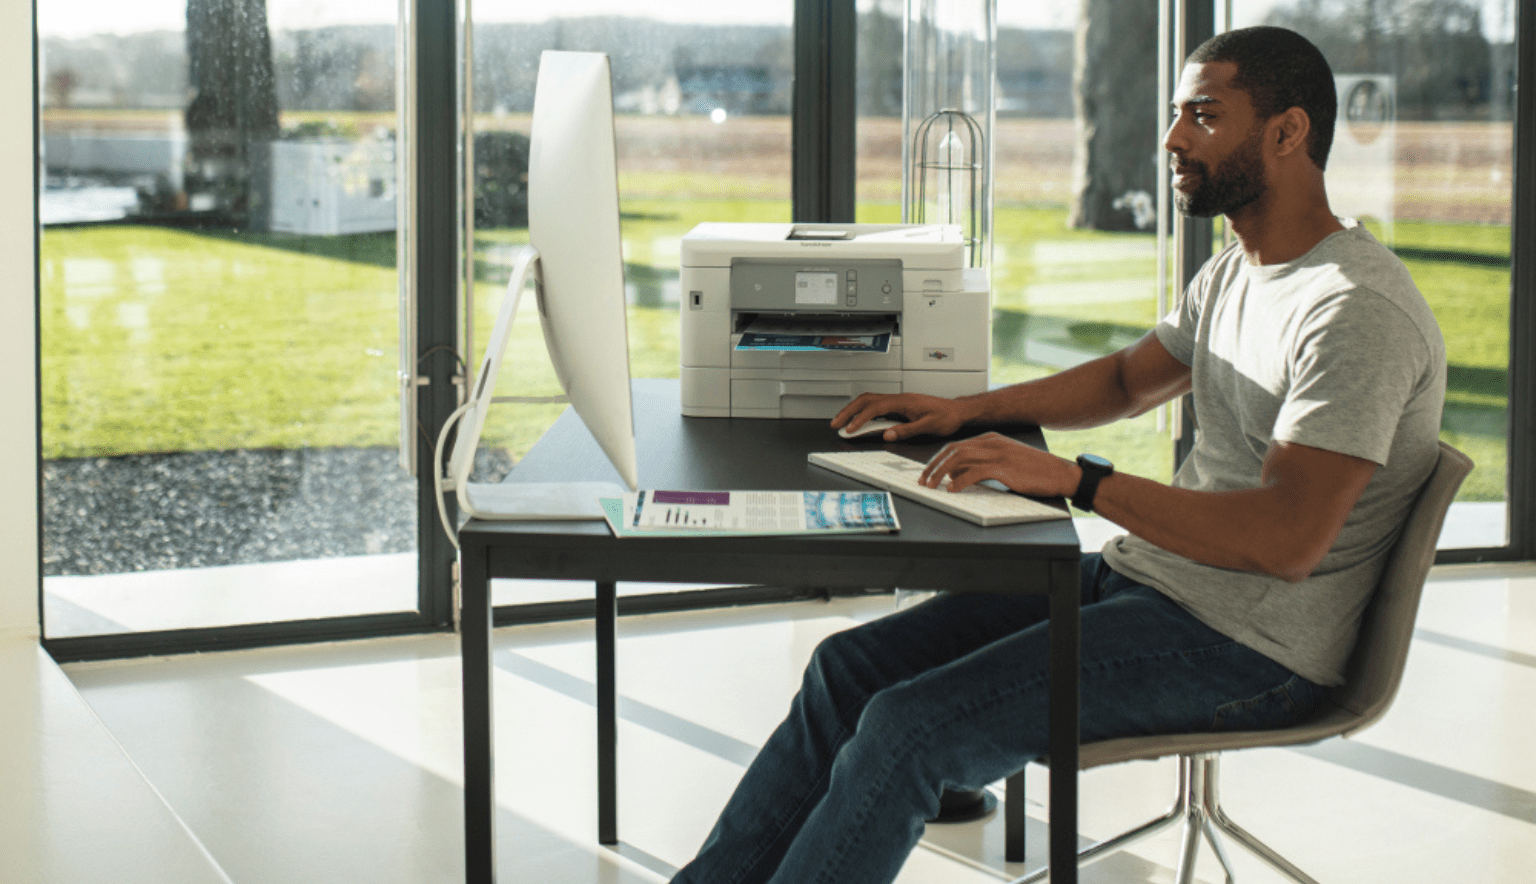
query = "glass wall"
x=218 y=284
x=1074 y=256
x=702 y=123
x=1423 y=154
x=218 y=315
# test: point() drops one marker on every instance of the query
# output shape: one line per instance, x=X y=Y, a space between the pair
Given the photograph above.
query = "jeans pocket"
x=1281 y=706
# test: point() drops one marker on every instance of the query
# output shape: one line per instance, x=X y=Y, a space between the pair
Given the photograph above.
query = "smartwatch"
x=1094 y=469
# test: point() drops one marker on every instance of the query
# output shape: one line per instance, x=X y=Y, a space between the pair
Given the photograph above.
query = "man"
x=1318 y=374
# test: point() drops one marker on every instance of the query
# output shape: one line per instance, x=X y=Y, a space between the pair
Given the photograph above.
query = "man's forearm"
x=1283 y=527
x=1087 y=395
x=1226 y=530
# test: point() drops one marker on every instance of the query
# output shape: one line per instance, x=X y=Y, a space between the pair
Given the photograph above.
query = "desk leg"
x=479 y=748
x=607 y=717
x=1014 y=818
x=1066 y=645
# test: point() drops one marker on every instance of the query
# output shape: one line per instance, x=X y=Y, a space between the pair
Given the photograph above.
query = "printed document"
x=764 y=333
x=755 y=512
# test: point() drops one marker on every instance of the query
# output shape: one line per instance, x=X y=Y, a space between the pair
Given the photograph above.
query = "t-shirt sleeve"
x=1177 y=331
x=1356 y=361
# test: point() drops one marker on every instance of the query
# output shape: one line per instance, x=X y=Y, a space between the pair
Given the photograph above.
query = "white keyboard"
x=982 y=504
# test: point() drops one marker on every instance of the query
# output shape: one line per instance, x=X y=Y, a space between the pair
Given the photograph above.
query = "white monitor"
x=576 y=261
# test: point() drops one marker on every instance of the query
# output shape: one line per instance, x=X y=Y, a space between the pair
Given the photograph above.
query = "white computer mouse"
x=871 y=427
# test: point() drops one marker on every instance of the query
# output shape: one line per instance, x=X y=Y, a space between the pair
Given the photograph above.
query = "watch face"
x=1101 y=463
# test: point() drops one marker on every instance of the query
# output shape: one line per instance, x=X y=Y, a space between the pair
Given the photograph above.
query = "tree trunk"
x=1118 y=156
x=233 y=113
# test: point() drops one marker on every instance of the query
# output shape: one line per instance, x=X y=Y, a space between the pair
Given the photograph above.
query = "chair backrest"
x=1376 y=666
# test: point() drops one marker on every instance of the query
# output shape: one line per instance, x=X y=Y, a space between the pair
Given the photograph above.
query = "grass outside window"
x=159 y=340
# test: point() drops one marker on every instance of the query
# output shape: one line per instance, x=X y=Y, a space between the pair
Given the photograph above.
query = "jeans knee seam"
x=823 y=772
x=908 y=749
x=854 y=830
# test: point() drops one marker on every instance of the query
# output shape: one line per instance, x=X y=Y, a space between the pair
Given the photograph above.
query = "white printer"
x=794 y=320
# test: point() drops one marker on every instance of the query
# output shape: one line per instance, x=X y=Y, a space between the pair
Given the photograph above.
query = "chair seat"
x=1333 y=722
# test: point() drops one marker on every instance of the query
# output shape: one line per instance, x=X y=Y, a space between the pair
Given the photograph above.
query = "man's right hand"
x=925 y=415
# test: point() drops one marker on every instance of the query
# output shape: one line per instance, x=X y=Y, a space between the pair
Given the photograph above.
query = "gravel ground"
x=144 y=512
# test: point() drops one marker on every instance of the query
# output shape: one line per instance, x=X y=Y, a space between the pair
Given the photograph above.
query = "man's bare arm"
x=1283 y=527
x=1123 y=384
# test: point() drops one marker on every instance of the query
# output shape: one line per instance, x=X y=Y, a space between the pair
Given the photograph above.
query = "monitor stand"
x=509 y=501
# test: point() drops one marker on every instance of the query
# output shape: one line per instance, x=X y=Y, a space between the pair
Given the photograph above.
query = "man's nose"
x=1173 y=140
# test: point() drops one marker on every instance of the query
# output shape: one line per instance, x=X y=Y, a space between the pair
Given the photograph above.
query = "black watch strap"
x=1094 y=469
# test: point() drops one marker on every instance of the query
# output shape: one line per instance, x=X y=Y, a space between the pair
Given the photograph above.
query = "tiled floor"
x=341 y=763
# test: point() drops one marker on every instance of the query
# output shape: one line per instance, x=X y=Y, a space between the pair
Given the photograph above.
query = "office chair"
x=1374 y=671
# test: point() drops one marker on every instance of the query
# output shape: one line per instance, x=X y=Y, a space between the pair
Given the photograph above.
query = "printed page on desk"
x=684 y=513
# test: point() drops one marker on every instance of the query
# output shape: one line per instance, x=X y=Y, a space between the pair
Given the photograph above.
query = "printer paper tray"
x=822 y=361
x=805 y=397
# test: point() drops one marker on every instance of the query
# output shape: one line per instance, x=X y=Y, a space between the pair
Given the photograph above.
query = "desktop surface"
x=702 y=453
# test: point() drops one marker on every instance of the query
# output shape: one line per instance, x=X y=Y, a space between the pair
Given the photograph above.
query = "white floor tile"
x=341 y=763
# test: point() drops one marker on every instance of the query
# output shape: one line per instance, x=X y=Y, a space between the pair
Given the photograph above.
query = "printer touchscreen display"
x=815 y=288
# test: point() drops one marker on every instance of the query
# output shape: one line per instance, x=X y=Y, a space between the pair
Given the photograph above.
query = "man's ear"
x=1289 y=130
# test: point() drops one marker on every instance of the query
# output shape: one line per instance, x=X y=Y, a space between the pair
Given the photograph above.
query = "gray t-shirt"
x=1335 y=350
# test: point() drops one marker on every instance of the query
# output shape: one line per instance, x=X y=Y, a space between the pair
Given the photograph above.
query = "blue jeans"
x=954 y=693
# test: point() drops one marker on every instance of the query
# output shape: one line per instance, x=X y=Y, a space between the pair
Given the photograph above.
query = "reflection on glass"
x=1074 y=254
x=702 y=104
x=1423 y=153
x=948 y=118
x=218 y=315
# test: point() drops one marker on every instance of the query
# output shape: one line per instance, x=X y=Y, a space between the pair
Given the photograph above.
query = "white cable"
x=437 y=471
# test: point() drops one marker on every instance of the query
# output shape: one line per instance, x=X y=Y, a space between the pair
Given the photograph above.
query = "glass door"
x=217 y=310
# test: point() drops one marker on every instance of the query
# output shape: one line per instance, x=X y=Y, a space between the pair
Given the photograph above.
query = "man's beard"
x=1237 y=181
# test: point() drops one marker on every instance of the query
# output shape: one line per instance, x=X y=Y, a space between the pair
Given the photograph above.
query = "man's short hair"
x=1280 y=69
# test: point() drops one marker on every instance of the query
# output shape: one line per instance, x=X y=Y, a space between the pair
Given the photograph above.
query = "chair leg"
x=1219 y=818
x=1198 y=807
x=1202 y=794
x=1189 y=848
x=1219 y=848
x=1194 y=784
x=1095 y=852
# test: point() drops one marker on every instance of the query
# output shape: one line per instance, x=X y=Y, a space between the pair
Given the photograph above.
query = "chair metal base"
x=1199 y=809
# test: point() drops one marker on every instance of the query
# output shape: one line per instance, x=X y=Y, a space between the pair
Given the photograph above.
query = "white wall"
x=18 y=345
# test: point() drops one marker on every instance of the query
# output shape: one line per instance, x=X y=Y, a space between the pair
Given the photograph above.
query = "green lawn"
x=156 y=339
x=164 y=340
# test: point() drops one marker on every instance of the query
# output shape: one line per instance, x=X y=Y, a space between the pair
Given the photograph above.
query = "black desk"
x=932 y=550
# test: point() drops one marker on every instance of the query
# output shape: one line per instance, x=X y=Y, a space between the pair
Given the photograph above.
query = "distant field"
x=1457 y=171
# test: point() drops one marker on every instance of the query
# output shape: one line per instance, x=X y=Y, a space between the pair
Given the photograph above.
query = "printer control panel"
x=857 y=285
